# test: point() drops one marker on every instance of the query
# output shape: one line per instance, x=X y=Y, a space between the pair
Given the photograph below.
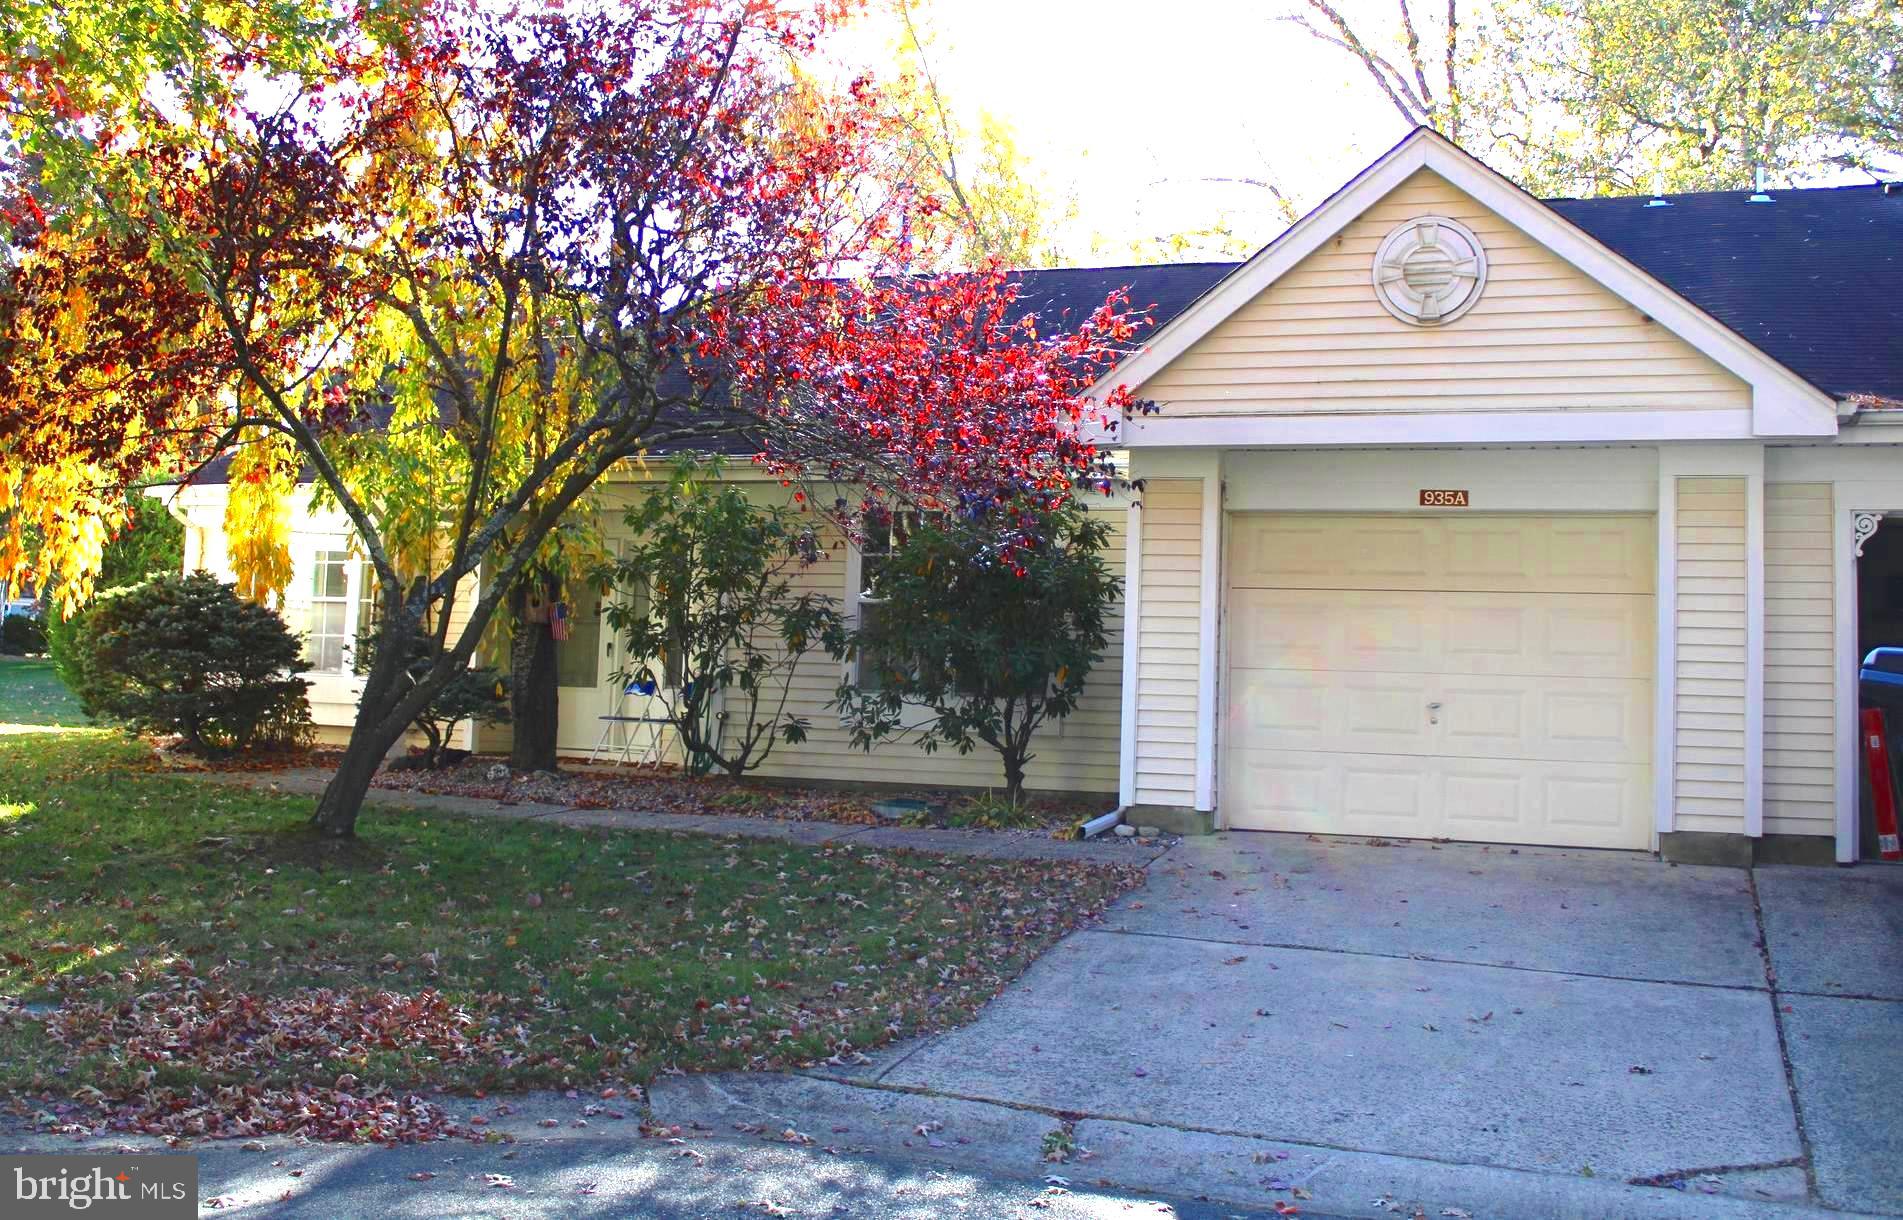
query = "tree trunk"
x=1014 y=777
x=378 y=726
x=337 y=809
x=532 y=689
x=370 y=739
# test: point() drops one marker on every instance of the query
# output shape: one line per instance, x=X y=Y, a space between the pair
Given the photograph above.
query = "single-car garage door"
x=1466 y=677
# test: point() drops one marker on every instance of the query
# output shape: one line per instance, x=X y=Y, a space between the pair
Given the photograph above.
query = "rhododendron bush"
x=454 y=264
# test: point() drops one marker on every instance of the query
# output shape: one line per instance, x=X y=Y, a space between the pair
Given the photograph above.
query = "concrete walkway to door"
x=1370 y=1029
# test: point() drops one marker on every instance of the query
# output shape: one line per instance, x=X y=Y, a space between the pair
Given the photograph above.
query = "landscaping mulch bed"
x=667 y=790
x=274 y=758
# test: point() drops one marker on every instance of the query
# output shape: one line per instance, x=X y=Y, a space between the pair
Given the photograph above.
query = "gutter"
x=1097 y=825
x=1870 y=408
x=171 y=506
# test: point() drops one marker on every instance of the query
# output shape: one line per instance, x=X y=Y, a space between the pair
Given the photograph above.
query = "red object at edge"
x=1882 y=784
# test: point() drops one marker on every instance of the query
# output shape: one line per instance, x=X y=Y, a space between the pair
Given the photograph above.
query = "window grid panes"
x=327 y=643
x=875 y=551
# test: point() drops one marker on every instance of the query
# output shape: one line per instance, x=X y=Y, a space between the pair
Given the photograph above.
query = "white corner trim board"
x=1783 y=404
x=1846 y=537
x=1665 y=688
x=1207 y=627
x=1754 y=650
x=1132 y=626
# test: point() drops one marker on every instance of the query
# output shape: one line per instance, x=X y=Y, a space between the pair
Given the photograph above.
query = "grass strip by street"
x=184 y=959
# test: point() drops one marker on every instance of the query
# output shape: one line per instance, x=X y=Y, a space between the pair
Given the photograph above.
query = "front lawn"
x=31 y=693
x=182 y=958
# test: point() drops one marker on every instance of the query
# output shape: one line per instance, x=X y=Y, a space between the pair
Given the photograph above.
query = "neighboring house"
x=1473 y=516
x=23 y=602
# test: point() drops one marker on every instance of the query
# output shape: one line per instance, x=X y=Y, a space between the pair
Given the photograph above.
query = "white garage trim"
x=1844 y=643
x=1132 y=631
x=1206 y=676
x=1754 y=650
x=1175 y=427
x=1665 y=683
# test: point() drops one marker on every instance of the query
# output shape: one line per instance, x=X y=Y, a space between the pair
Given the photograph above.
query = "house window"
x=668 y=669
x=340 y=604
x=875 y=554
x=326 y=644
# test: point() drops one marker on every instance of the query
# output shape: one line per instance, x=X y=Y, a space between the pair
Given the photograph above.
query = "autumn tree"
x=1697 y=94
x=636 y=227
x=1000 y=209
x=1608 y=96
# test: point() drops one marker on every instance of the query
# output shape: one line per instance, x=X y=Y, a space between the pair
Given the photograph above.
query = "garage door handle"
x=1433 y=713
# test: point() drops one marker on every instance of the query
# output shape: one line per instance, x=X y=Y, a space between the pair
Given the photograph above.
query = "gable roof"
x=1813 y=278
x=1783 y=402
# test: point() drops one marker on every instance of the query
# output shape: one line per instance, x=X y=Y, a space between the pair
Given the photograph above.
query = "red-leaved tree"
x=545 y=242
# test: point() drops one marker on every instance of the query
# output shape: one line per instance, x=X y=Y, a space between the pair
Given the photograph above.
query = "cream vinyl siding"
x=1543 y=336
x=1170 y=604
x=1800 y=677
x=1708 y=771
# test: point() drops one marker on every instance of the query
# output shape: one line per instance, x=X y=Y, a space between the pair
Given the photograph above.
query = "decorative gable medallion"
x=1429 y=271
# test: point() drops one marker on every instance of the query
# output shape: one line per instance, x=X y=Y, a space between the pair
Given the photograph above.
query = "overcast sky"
x=1137 y=107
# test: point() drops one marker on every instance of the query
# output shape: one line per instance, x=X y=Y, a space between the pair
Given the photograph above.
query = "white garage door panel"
x=1463 y=677
x=1445 y=554
x=1589 y=719
x=1420 y=632
x=1408 y=796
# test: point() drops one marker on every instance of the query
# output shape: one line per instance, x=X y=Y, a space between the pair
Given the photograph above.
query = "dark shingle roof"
x=1814 y=278
x=1068 y=295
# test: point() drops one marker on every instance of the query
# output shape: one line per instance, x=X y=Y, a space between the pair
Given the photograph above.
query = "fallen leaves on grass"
x=187 y=1021
x=204 y=967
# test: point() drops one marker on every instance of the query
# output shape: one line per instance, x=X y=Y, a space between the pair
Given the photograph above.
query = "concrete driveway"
x=1499 y=1031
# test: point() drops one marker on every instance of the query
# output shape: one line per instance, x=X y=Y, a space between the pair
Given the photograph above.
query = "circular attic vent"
x=1429 y=270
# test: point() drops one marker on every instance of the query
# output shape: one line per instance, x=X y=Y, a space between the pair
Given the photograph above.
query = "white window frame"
x=856 y=586
x=356 y=573
x=915 y=714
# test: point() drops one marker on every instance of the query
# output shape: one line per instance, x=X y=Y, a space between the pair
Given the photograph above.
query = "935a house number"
x=1443 y=497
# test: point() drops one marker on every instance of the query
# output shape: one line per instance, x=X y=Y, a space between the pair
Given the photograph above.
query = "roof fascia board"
x=1241 y=431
